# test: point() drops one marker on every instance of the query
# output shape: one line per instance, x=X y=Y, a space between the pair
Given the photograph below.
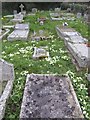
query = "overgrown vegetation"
x=20 y=54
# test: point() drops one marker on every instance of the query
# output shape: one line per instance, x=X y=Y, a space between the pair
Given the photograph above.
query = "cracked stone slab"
x=49 y=96
x=7 y=77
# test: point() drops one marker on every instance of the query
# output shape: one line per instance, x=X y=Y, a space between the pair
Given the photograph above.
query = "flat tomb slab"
x=40 y=35
x=40 y=52
x=18 y=35
x=49 y=96
x=70 y=35
x=21 y=32
x=80 y=52
x=6 y=84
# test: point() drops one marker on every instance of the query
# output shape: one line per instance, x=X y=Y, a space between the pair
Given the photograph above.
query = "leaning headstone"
x=49 y=96
x=79 y=15
x=40 y=52
x=6 y=84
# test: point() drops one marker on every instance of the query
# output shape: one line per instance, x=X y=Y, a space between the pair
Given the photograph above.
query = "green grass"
x=20 y=54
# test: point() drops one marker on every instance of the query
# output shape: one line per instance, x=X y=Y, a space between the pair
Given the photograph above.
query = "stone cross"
x=21 y=6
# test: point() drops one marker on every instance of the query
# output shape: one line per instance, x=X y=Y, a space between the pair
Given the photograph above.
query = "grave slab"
x=40 y=52
x=21 y=32
x=80 y=53
x=17 y=18
x=70 y=34
x=49 y=96
x=75 y=44
x=40 y=35
x=6 y=84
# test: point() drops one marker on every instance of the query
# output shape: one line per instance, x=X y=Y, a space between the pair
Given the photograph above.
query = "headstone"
x=68 y=9
x=15 y=12
x=85 y=17
x=57 y=10
x=21 y=7
x=40 y=53
x=79 y=15
x=34 y=10
x=41 y=32
x=49 y=96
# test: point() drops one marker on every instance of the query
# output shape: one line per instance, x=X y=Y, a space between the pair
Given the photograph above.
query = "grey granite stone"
x=42 y=100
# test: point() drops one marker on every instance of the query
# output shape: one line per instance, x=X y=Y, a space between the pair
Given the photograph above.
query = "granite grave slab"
x=49 y=96
x=21 y=32
x=40 y=52
x=6 y=84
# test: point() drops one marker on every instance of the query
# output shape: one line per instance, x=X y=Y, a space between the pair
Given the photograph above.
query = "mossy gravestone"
x=49 y=96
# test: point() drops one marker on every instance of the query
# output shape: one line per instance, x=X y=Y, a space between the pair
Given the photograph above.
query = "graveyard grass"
x=20 y=54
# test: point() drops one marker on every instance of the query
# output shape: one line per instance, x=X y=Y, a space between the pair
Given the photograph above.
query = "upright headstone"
x=68 y=9
x=85 y=17
x=34 y=10
x=79 y=15
x=21 y=7
x=57 y=9
x=15 y=12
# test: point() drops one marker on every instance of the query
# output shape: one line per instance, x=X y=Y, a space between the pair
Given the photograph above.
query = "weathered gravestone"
x=40 y=52
x=57 y=10
x=49 y=96
x=68 y=9
x=34 y=10
x=6 y=84
x=79 y=15
x=15 y=12
x=21 y=32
